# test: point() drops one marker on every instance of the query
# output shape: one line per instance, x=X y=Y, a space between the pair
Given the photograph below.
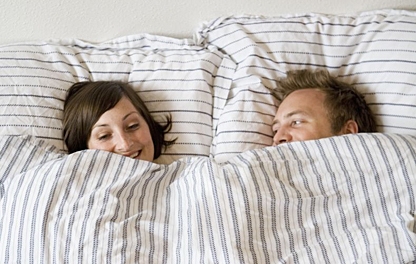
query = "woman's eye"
x=133 y=126
x=103 y=137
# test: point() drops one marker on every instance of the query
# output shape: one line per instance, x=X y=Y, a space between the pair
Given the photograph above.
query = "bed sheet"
x=347 y=199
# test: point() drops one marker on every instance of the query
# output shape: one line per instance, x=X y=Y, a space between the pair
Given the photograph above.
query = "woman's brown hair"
x=87 y=101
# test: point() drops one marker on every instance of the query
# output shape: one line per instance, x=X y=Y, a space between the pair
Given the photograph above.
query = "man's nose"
x=281 y=136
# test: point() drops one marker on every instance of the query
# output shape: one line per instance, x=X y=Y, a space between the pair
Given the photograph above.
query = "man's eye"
x=296 y=122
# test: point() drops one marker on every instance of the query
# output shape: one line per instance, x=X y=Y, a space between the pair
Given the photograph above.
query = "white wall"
x=101 y=20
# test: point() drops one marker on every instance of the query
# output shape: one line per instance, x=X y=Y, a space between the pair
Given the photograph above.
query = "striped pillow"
x=171 y=75
x=375 y=51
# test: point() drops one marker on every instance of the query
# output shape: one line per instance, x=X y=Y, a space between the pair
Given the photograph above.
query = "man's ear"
x=350 y=127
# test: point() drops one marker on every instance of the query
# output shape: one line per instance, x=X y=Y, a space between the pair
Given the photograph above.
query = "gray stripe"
x=329 y=173
x=286 y=211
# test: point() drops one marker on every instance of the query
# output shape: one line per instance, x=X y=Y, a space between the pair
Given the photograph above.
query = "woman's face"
x=124 y=131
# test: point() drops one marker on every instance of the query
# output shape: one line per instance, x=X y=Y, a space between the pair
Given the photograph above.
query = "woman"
x=111 y=116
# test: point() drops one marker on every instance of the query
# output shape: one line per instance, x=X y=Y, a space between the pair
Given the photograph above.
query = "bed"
x=222 y=193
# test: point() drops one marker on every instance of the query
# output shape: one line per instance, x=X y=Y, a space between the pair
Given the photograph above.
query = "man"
x=316 y=105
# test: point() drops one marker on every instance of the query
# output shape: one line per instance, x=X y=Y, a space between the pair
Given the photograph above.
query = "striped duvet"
x=348 y=199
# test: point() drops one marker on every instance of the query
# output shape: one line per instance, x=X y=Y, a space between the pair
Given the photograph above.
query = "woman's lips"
x=135 y=154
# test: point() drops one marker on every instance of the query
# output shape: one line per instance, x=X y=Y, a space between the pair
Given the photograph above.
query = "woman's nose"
x=123 y=143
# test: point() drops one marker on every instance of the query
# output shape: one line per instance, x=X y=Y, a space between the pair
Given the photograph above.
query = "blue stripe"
x=287 y=202
x=346 y=178
x=329 y=173
x=299 y=20
x=14 y=201
x=26 y=199
x=314 y=205
x=213 y=176
x=236 y=228
x=406 y=177
x=369 y=154
x=75 y=205
x=364 y=189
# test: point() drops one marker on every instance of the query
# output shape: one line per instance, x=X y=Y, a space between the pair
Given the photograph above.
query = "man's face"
x=301 y=116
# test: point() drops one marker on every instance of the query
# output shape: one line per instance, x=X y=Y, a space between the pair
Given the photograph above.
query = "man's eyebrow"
x=275 y=121
x=296 y=112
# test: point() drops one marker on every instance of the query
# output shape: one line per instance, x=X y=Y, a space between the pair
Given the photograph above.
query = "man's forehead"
x=307 y=91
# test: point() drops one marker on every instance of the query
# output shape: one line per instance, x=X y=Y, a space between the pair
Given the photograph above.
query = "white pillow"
x=171 y=75
x=375 y=51
x=245 y=121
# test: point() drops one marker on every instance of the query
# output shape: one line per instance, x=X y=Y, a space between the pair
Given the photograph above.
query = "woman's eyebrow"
x=129 y=114
x=99 y=125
